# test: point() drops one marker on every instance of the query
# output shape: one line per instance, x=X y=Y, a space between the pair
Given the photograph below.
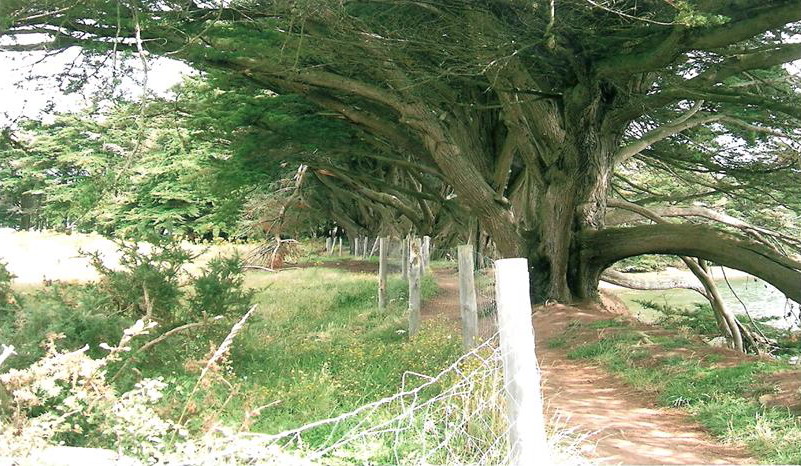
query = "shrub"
x=6 y=278
x=219 y=289
x=148 y=283
x=73 y=314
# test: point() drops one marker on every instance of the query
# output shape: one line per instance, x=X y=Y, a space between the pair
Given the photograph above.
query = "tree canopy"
x=512 y=122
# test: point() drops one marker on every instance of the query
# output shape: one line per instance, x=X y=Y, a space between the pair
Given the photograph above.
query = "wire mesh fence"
x=456 y=417
x=459 y=416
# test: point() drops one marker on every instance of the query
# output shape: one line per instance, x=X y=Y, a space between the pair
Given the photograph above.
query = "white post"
x=382 y=273
x=340 y=246
x=405 y=258
x=365 y=246
x=467 y=297
x=356 y=246
x=527 y=440
x=328 y=247
x=425 y=253
x=414 y=286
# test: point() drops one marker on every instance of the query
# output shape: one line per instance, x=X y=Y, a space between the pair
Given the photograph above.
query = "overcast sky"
x=29 y=87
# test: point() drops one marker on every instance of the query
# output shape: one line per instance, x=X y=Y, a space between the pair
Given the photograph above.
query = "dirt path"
x=623 y=426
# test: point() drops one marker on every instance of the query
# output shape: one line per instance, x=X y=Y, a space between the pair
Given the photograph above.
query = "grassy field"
x=721 y=392
x=318 y=347
x=36 y=256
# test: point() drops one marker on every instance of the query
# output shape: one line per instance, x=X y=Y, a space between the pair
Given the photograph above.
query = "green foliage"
x=6 y=277
x=148 y=283
x=699 y=318
x=692 y=18
x=608 y=323
x=647 y=263
x=219 y=289
x=151 y=281
x=71 y=315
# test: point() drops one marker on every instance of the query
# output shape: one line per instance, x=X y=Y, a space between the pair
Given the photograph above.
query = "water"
x=761 y=299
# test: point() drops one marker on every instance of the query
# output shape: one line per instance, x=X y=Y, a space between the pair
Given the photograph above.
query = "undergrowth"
x=317 y=347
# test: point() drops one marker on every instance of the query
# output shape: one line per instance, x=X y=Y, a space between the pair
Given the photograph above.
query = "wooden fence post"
x=414 y=286
x=527 y=440
x=365 y=246
x=328 y=247
x=382 y=273
x=467 y=297
x=375 y=245
x=356 y=246
x=405 y=258
x=340 y=246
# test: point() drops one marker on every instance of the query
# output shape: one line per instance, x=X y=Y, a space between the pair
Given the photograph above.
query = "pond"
x=760 y=298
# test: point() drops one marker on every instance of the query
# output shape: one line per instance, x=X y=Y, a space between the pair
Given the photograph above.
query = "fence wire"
x=457 y=417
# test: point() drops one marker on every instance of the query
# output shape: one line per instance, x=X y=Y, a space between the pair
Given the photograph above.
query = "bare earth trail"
x=624 y=426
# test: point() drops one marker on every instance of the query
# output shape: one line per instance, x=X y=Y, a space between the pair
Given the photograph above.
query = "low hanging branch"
x=741 y=336
x=637 y=212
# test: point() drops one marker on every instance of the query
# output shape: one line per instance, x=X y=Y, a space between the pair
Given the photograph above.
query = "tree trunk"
x=572 y=200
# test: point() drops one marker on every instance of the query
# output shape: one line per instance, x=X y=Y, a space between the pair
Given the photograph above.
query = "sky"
x=28 y=89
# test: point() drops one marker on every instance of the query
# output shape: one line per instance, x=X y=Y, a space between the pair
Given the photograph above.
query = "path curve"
x=623 y=426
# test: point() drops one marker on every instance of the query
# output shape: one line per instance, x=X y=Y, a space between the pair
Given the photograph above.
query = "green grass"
x=720 y=398
x=607 y=323
x=318 y=347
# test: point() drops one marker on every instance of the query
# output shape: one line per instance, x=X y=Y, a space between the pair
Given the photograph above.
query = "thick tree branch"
x=605 y=247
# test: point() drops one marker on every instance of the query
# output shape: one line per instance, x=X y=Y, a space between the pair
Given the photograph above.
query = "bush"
x=148 y=283
x=219 y=290
x=75 y=315
x=648 y=263
x=6 y=278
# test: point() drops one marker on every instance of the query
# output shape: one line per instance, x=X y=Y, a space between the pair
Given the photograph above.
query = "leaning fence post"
x=467 y=297
x=375 y=245
x=527 y=440
x=414 y=286
x=382 y=273
x=405 y=258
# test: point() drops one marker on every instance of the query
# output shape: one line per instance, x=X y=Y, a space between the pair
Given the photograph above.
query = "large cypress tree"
x=524 y=109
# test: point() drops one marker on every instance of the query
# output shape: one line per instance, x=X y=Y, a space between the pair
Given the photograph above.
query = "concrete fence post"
x=414 y=286
x=467 y=297
x=382 y=273
x=405 y=258
x=426 y=253
x=527 y=440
